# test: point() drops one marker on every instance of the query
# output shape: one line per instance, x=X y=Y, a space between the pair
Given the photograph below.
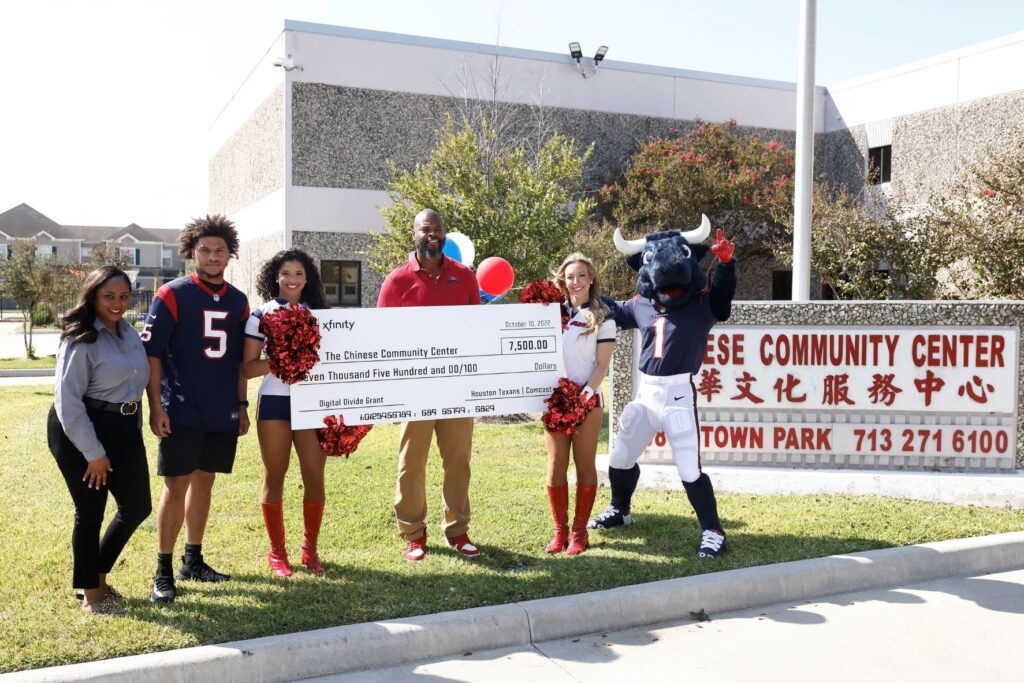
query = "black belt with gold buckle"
x=127 y=408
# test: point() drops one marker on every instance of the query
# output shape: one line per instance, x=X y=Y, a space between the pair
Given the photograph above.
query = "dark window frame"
x=340 y=283
x=782 y=285
x=880 y=164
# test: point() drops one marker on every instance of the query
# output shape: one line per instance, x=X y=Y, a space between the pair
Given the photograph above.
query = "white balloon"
x=465 y=246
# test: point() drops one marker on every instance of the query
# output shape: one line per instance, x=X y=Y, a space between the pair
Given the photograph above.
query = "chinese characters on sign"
x=824 y=390
x=945 y=370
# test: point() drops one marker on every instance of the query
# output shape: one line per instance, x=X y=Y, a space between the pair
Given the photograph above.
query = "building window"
x=5 y=251
x=166 y=258
x=132 y=254
x=880 y=164
x=86 y=254
x=782 y=285
x=45 y=250
x=343 y=283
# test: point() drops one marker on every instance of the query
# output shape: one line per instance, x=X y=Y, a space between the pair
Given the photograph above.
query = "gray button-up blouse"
x=111 y=369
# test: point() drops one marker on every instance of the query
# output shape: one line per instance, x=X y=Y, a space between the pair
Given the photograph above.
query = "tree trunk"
x=26 y=333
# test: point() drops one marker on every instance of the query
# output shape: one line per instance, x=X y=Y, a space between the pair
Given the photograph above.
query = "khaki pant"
x=455 y=442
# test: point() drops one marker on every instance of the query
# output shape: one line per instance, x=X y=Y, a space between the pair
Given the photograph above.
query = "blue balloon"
x=488 y=298
x=452 y=251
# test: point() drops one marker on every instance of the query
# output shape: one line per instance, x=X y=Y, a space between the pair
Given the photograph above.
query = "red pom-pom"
x=540 y=292
x=339 y=439
x=566 y=408
x=293 y=342
x=545 y=292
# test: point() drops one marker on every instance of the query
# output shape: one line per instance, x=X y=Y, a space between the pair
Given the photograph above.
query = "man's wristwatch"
x=244 y=403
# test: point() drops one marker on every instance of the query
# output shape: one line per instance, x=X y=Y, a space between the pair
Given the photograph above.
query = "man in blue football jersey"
x=197 y=394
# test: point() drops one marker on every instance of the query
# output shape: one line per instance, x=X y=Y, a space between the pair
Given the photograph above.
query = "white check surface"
x=430 y=362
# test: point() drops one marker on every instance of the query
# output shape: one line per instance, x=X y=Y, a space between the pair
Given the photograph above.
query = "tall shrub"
x=736 y=179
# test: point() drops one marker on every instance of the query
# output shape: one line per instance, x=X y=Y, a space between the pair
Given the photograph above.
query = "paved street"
x=957 y=629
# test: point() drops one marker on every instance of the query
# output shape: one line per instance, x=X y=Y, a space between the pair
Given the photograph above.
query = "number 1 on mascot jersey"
x=659 y=337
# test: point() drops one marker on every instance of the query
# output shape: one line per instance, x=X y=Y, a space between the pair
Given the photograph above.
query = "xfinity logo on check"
x=329 y=325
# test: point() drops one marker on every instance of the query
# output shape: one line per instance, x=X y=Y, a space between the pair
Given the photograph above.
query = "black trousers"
x=121 y=436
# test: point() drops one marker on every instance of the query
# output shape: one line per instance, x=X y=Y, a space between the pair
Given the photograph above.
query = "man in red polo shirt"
x=430 y=279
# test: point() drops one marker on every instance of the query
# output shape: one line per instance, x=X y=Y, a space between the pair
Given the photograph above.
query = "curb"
x=28 y=372
x=377 y=645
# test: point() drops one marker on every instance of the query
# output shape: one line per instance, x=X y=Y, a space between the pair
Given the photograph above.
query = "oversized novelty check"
x=430 y=362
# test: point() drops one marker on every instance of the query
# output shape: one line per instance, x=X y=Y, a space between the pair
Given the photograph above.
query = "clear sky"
x=106 y=103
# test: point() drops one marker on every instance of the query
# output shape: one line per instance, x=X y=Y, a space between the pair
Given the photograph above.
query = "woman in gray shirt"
x=94 y=430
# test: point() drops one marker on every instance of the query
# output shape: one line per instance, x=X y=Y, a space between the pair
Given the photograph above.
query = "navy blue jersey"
x=673 y=340
x=196 y=330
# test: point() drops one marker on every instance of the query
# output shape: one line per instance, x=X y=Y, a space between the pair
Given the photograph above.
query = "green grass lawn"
x=367 y=578
x=25 y=363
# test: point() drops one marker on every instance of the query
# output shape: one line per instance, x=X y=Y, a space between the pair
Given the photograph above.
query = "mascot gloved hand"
x=674 y=308
x=723 y=248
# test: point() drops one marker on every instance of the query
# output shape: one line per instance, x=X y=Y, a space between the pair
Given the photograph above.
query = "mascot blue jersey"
x=673 y=340
x=196 y=330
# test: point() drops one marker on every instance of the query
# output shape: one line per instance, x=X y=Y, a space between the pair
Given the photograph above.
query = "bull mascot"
x=674 y=309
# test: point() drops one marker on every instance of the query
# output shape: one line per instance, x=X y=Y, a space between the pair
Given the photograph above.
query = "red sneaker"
x=416 y=549
x=463 y=545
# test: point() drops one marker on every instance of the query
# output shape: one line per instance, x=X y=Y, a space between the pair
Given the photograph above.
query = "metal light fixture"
x=287 y=63
x=576 y=52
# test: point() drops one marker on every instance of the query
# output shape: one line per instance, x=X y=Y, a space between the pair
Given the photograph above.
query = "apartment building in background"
x=151 y=253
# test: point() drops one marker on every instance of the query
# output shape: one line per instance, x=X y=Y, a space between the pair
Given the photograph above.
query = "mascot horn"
x=674 y=309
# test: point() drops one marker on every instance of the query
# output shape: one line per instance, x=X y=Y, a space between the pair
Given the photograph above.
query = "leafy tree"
x=973 y=236
x=31 y=281
x=737 y=180
x=522 y=206
x=862 y=250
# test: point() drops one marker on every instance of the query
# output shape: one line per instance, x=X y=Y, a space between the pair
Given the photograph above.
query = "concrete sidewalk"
x=26 y=380
x=963 y=628
x=373 y=646
x=12 y=345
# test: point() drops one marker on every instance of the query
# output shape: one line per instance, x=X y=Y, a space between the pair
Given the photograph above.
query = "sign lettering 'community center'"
x=859 y=390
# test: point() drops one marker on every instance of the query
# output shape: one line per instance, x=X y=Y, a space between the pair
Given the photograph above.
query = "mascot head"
x=668 y=263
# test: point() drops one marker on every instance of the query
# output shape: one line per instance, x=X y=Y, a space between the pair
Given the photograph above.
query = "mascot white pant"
x=662 y=404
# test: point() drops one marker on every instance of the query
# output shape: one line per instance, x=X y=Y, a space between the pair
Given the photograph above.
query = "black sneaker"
x=712 y=543
x=200 y=571
x=611 y=517
x=163 y=589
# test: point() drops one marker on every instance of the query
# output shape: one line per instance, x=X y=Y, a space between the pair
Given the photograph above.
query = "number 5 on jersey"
x=220 y=336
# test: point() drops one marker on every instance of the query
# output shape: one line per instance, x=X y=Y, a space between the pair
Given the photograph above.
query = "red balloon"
x=495 y=275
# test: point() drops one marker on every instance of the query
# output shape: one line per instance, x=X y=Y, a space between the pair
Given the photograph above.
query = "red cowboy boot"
x=312 y=516
x=277 y=558
x=579 y=540
x=558 y=496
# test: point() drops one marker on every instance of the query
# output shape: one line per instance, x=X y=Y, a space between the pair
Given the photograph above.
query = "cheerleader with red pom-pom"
x=288 y=333
x=575 y=409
